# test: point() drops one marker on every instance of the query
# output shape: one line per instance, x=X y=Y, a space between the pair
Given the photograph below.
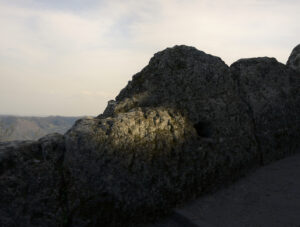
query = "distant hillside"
x=32 y=128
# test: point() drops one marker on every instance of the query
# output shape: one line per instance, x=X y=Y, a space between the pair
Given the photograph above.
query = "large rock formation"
x=186 y=124
x=176 y=125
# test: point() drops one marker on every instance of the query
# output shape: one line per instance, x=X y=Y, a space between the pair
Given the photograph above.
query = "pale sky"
x=69 y=57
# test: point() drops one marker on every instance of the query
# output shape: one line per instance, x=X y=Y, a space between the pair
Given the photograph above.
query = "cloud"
x=59 y=5
x=231 y=29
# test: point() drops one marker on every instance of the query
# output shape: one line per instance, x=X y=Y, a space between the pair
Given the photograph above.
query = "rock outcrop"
x=186 y=124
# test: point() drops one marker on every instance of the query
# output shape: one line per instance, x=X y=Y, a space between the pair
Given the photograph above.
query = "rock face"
x=294 y=59
x=270 y=91
x=186 y=124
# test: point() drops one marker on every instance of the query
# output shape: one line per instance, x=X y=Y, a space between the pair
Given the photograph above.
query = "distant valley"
x=32 y=128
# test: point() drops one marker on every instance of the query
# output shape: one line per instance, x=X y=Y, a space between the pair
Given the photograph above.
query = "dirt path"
x=269 y=197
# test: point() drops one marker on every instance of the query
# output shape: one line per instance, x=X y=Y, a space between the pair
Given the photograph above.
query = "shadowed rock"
x=31 y=182
x=270 y=91
x=186 y=124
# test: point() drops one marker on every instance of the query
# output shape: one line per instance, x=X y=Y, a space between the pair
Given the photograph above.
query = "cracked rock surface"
x=185 y=125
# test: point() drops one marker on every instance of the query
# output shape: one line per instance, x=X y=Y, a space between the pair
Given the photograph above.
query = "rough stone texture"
x=132 y=161
x=186 y=124
x=182 y=78
x=270 y=91
x=30 y=182
x=183 y=83
x=138 y=165
x=294 y=59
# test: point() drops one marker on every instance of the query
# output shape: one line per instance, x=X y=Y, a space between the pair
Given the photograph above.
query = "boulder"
x=176 y=130
x=270 y=91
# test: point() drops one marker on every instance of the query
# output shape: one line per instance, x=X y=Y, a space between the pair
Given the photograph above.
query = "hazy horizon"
x=43 y=116
x=69 y=58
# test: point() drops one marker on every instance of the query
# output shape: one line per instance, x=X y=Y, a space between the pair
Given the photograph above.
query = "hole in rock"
x=203 y=129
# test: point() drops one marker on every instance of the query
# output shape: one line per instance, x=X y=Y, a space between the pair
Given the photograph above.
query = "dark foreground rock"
x=186 y=124
x=31 y=182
